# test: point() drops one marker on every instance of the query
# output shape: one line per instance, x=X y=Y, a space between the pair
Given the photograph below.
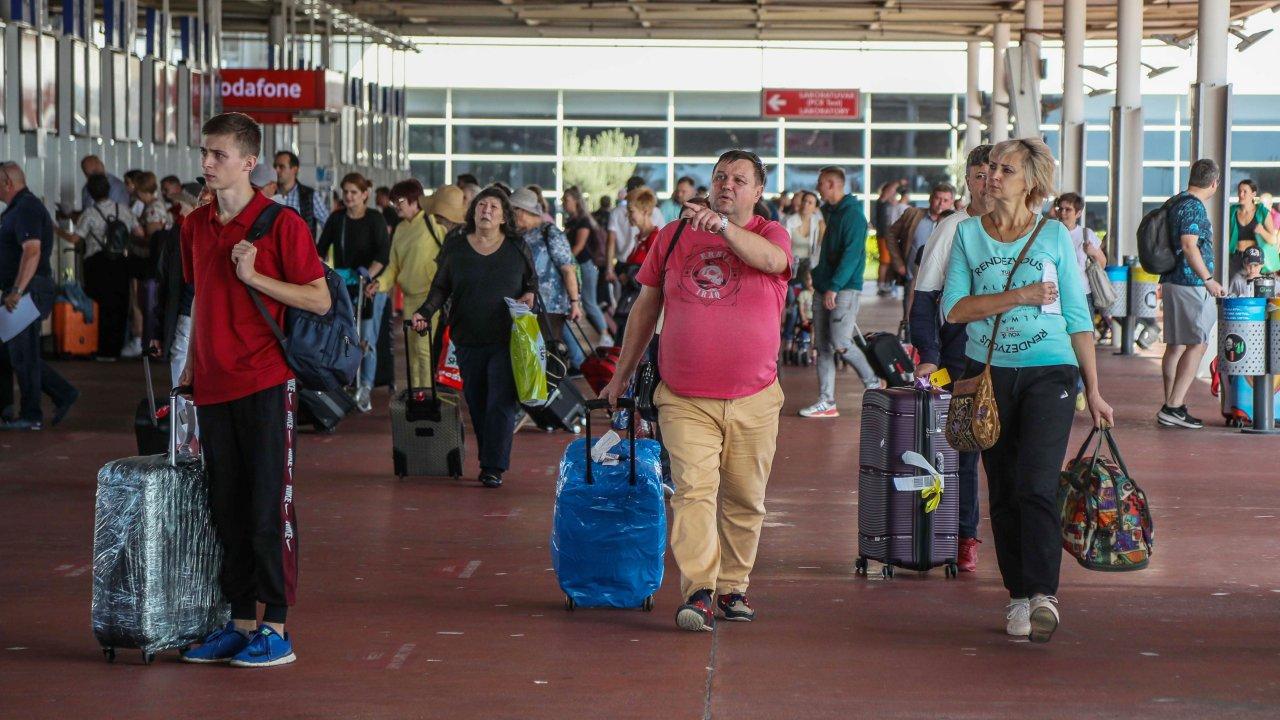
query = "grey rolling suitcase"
x=895 y=525
x=426 y=428
x=156 y=557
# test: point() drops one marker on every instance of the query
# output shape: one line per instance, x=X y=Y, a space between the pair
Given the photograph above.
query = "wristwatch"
x=724 y=223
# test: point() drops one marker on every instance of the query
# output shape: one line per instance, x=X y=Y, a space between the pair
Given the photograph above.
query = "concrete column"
x=1211 y=115
x=999 y=85
x=276 y=34
x=1072 y=153
x=1126 y=130
x=972 y=99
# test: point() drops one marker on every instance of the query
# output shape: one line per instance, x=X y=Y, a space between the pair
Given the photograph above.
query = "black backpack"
x=115 y=236
x=1156 y=249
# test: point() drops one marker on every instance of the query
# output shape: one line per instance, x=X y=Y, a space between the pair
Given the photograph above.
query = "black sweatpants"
x=490 y=390
x=106 y=281
x=1037 y=405
x=249 y=455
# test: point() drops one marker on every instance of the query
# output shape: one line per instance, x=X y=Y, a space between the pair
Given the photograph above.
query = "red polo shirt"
x=234 y=352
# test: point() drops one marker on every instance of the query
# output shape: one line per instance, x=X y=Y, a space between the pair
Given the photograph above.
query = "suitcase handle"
x=623 y=403
x=173 y=421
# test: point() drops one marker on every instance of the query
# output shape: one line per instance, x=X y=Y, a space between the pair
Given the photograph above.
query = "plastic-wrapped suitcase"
x=156 y=557
x=609 y=533
x=895 y=523
x=426 y=428
x=150 y=427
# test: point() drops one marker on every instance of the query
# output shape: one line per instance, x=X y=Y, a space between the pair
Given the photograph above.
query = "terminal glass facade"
x=517 y=137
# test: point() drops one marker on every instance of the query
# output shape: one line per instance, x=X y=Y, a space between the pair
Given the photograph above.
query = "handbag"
x=1106 y=520
x=973 y=422
x=647 y=376
x=1104 y=294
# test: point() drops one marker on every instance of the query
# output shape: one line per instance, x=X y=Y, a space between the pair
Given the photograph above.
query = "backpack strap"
x=260 y=227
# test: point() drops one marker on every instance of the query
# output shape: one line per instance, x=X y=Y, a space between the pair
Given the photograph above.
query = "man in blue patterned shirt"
x=1189 y=291
x=311 y=205
x=557 y=270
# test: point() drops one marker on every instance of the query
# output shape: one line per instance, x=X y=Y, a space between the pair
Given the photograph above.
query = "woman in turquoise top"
x=1044 y=344
x=1251 y=225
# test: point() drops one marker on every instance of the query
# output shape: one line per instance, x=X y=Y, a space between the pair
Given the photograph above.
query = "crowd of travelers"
x=703 y=281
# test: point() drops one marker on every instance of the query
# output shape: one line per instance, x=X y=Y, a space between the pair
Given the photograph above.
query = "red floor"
x=434 y=599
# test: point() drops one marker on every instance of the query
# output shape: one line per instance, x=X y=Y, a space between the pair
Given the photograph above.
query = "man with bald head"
x=26 y=241
x=92 y=165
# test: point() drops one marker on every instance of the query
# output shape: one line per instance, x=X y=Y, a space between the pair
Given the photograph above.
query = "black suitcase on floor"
x=323 y=409
x=151 y=428
x=565 y=408
x=426 y=428
x=887 y=356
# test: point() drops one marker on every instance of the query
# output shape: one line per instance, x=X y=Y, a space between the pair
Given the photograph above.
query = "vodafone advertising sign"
x=277 y=91
x=811 y=104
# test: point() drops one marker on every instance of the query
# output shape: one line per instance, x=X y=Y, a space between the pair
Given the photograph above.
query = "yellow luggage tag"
x=930 y=486
x=940 y=378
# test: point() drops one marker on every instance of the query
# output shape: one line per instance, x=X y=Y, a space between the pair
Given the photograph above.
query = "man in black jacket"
x=312 y=206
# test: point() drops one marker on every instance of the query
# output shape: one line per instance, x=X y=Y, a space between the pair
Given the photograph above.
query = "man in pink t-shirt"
x=722 y=287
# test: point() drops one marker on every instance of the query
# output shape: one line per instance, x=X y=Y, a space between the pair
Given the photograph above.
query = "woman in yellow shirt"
x=415 y=247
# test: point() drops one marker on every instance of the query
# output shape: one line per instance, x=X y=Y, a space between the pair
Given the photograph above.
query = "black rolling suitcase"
x=150 y=427
x=888 y=357
x=426 y=428
x=156 y=557
x=565 y=408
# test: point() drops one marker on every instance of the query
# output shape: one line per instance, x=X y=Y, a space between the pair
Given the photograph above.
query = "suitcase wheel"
x=860 y=566
x=951 y=570
x=109 y=653
x=647 y=605
x=886 y=572
x=569 y=604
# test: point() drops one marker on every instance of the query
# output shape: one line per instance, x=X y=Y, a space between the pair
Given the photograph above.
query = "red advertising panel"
x=811 y=104
x=279 y=90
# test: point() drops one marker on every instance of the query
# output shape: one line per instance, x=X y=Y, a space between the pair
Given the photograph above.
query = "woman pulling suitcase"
x=476 y=277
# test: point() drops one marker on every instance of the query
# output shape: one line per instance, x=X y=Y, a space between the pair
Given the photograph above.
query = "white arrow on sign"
x=775 y=102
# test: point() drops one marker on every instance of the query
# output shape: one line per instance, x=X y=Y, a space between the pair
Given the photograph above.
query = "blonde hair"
x=643 y=199
x=1037 y=165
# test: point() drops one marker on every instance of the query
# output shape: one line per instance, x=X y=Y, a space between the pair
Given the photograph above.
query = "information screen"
x=171 y=107
x=79 y=88
x=135 y=97
x=119 y=96
x=49 y=82
x=30 y=80
x=94 y=92
x=159 y=98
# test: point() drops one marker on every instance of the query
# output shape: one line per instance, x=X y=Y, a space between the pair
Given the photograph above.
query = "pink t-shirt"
x=721 y=332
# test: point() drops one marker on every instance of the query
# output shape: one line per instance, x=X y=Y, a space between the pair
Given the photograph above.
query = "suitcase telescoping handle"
x=151 y=391
x=408 y=360
x=625 y=404
x=173 y=421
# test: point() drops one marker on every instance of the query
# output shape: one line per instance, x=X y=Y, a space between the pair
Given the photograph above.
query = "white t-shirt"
x=625 y=232
x=92 y=226
x=1078 y=236
x=932 y=274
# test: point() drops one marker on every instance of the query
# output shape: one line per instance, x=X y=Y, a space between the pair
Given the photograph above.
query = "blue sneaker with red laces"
x=267 y=648
x=220 y=646
x=696 y=614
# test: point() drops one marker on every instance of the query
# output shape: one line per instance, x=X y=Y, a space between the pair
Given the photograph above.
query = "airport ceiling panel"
x=813 y=20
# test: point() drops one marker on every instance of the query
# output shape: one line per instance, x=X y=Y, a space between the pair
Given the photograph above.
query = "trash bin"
x=1144 y=287
x=1242 y=335
x=1119 y=277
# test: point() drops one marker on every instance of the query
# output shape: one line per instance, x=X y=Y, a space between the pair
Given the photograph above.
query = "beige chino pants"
x=721 y=455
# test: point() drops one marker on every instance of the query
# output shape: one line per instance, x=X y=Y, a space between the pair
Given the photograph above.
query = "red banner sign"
x=819 y=104
x=280 y=90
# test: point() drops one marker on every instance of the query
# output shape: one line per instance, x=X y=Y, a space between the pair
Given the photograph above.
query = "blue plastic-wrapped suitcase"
x=609 y=535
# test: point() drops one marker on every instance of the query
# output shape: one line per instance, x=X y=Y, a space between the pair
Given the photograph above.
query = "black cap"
x=1252 y=256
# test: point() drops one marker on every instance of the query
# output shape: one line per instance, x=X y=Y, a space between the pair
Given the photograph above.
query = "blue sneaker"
x=221 y=645
x=267 y=649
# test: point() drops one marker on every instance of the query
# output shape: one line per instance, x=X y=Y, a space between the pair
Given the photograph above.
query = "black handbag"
x=647 y=375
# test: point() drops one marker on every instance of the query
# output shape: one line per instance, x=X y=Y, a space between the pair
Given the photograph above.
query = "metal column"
x=1125 y=193
x=972 y=99
x=999 y=84
x=1211 y=114
x=1072 y=152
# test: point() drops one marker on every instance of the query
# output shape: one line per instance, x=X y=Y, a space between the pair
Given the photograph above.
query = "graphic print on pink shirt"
x=711 y=274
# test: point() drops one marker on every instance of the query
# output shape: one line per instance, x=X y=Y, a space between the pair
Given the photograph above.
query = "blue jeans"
x=590 y=293
x=369 y=333
x=576 y=355
x=34 y=375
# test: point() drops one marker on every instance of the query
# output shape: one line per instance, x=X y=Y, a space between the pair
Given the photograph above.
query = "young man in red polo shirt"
x=723 y=289
x=244 y=392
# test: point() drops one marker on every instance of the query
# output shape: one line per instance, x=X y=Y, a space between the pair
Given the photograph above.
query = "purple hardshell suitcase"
x=893 y=525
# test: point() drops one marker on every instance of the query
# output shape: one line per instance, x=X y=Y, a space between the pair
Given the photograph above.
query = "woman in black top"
x=359 y=239
x=476 y=273
x=587 y=242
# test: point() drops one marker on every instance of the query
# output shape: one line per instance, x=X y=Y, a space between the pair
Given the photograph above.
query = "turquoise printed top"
x=1029 y=336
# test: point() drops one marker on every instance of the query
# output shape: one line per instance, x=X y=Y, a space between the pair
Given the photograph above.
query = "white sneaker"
x=873 y=384
x=606 y=340
x=363 y=403
x=1044 y=618
x=1018 y=620
x=133 y=349
x=821 y=409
